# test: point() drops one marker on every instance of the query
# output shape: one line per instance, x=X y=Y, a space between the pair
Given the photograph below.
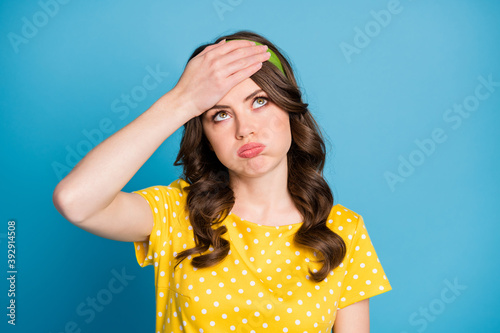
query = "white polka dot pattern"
x=263 y=284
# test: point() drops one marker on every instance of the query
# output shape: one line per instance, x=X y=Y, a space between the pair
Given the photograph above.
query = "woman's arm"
x=90 y=195
x=354 y=318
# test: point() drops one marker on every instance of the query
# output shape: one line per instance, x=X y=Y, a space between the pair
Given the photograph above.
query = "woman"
x=249 y=239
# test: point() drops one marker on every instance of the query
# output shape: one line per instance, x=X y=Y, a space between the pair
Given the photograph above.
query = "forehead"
x=239 y=92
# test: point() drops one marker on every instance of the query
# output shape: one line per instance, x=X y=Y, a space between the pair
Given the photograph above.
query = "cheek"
x=276 y=128
x=209 y=133
x=209 y=139
x=219 y=145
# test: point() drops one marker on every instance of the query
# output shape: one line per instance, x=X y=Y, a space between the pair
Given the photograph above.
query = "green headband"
x=273 y=59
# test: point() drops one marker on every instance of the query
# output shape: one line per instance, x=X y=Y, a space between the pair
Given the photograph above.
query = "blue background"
x=438 y=227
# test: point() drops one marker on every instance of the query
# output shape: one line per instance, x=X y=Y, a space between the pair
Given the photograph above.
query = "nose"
x=245 y=124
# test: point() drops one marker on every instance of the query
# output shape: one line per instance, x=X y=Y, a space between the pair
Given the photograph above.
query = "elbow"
x=64 y=204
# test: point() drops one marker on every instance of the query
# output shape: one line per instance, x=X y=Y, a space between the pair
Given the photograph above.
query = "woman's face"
x=245 y=115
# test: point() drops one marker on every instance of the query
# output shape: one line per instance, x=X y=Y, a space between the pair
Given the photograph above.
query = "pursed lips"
x=250 y=145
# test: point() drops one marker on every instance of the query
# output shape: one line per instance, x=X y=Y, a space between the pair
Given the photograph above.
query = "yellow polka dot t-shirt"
x=263 y=284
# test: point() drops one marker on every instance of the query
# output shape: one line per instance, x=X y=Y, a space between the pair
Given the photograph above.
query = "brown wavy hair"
x=210 y=198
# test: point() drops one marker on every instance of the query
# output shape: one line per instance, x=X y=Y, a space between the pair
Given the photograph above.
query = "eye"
x=219 y=113
x=261 y=101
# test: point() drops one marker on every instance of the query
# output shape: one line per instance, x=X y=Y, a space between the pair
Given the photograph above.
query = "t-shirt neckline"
x=237 y=219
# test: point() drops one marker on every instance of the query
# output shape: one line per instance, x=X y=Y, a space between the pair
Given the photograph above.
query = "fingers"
x=224 y=47
x=218 y=68
x=235 y=44
x=245 y=57
x=211 y=47
x=239 y=59
x=243 y=74
x=230 y=57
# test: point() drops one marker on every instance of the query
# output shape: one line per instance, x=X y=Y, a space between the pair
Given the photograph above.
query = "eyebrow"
x=228 y=107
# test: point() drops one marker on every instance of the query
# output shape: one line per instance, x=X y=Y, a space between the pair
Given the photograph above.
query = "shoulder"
x=342 y=214
x=179 y=185
x=344 y=221
x=175 y=191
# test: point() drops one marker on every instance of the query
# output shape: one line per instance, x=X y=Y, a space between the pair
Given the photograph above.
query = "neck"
x=260 y=198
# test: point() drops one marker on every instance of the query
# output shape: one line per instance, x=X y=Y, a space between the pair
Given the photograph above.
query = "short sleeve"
x=364 y=277
x=159 y=199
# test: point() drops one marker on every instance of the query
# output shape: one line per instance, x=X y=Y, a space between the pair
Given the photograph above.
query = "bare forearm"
x=105 y=170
